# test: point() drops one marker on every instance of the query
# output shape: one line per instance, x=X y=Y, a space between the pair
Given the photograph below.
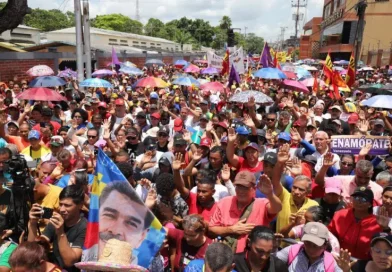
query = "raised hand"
x=209 y=127
x=124 y=120
x=62 y=116
x=295 y=135
x=74 y=124
x=147 y=157
x=197 y=155
x=328 y=160
x=296 y=167
x=3 y=119
x=365 y=150
x=165 y=108
x=344 y=261
x=310 y=113
x=363 y=126
x=231 y=135
x=382 y=217
x=187 y=136
x=283 y=153
x=251 y=102
x=151 y=199
x=265 y=185
x=248 y=121
x=268 y=134
x=177 y=161
x=225 y=173
x=290 y=102
x=27 y=108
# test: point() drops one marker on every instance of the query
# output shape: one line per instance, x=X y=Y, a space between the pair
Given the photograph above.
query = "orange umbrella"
x=151 y=82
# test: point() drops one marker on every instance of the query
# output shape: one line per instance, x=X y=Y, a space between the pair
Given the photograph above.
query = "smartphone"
x=47 y=213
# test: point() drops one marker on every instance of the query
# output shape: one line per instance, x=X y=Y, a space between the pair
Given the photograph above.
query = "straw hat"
x=116 y=256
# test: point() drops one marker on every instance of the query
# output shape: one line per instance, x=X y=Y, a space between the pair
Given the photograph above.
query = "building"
x=22 y=36
x=339 y=27
x=309 y=42
x=102 y=38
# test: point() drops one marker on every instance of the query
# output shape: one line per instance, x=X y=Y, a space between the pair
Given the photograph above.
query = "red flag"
x=350 y=76
x=327 y=70
x=276 y=62
x=315 y=87
x=226 y=63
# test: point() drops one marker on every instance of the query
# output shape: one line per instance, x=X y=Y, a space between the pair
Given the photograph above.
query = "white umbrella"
x=365 y=69
x=309 y=68
x=379 y=101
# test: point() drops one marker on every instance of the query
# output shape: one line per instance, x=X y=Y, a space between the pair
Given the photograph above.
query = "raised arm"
x=231 y=157
x=265 y=186
x=283 y=157
x=327 y=163
x=3 y=121
x=178 y=180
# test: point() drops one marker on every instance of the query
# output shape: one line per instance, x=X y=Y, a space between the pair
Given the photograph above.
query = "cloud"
x=263 y=17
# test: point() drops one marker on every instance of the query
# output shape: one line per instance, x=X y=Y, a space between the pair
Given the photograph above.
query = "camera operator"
x=66 y=230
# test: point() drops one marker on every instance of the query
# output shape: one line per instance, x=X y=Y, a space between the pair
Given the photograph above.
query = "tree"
x=183 y=37
x=219 y=39
x=253 y=43
x=153 y=27
x=117 y=22
x=49 y=20
x=12 y=14
x=225 y=22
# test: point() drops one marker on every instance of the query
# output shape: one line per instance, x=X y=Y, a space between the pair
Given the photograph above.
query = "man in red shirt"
x=202 y=202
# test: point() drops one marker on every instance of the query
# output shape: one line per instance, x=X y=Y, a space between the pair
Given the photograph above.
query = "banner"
x=282 y=56
x=237 y=59
x=112 y=199
x=352 y=144
x=214 y=60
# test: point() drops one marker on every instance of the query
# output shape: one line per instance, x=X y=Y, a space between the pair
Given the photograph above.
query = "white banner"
x=237 y=59
x=214 y=60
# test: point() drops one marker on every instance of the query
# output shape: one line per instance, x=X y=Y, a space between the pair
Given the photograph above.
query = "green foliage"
x=225 y=22
x=183 y=37
x=253 y=43
x=117 y=22
x=49 y=20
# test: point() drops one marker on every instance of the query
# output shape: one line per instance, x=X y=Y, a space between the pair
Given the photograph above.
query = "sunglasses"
x=132 y=137
x=270 y=120
x=91 y=136
x=162 y=135
x=360 y=199
x=347 y=163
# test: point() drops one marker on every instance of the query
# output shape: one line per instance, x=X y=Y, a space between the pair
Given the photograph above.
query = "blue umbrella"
x=270 y=73
x=186 y=81
x=95 y=83
x=379 y=101
x=131 y=70
x=302 y=72
x=155 y=61
x=181 y=62
x=47 y=81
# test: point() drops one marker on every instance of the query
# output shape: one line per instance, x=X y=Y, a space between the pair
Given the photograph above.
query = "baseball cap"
x=221 y=124
x=261 y=133
x=152 y=132
x=154 y=95
x=102 y=105
x=339 y=108
x=245 y=178
x=150 y=143
x=164 y=129
x=179 y=140
x=253 y=145
x=350 y=107
x=34 y=134
x=204 y=117
x=165 y=161
x=333 y=185
x=178 y=124
x=271 y=157
x=206 y=142
x=241 y=130
x=379 y=122
x=353 y=118
x=13 y=106
x=156 y=115
x=364 y=192
x=382 y=236
x=57 y=141
x=141 y=114
x=119 y=102
x=13 y=123
x=316 y=233
x=310 y=159
x=284 y=136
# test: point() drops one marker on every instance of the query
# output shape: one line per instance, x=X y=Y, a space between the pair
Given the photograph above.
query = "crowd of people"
x=240 y=187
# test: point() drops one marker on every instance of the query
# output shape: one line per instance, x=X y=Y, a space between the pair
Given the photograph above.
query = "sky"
x=262 y=17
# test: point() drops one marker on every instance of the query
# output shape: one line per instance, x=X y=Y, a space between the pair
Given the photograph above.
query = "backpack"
x=329 y=260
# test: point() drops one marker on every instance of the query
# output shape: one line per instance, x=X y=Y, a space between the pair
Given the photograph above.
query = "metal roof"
x=99 y=31
x=11 y=47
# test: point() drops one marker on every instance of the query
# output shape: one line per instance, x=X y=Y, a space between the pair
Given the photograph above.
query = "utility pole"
x=86 y=32
x=245 y=31
x=137 y=11
x=297 y=16
x=361 y=8
x=79 y=41
x=282 y=30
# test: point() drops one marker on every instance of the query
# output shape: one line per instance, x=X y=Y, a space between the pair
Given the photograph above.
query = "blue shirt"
x=63 y=181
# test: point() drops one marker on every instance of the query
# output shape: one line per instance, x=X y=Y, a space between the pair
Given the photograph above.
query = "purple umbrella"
x=103 y=72
x=210 y=71
x=68 y=73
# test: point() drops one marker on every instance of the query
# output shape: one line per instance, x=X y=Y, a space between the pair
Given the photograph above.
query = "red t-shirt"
x=184 y=252
x=56 y=127
x=244 y=166
x=195 y=208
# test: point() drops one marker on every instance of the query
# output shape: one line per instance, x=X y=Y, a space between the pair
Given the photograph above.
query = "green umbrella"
x=375 y=89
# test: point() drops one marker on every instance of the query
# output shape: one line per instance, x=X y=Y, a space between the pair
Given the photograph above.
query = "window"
x=158 y=44
x=152 y=43
x=112 y=40
x=124 y=41
x=20 y=35
x=143 y=43
x=124 y=44
x=135 y=42
x=113 y=43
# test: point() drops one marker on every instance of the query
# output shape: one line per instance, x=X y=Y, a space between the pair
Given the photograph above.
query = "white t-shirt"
x=220 y=192
x=320 y=159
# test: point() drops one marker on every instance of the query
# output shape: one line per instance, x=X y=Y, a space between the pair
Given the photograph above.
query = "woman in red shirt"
x=354 y=227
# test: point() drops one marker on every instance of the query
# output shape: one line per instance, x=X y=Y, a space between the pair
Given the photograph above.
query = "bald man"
x=321 y=141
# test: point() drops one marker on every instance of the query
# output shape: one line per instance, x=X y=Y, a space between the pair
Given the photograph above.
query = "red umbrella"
x=151 y=82
x=295 y=85
x=41 y=94
x=290 y=74
x=214 y=86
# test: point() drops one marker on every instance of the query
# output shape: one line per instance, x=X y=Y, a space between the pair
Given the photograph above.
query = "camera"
x=19 y=171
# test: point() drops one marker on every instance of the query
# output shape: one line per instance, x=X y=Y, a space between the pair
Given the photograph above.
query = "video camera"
x=18 y=168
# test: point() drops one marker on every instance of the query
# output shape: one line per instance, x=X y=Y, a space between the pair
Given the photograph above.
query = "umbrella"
x=338 y=68
x=128 y=64
x=309 y=68
x=181 y=63
x=295 y=85
x=40 y=70
x=375 y=89
x=47 y=81
x=302 y=72
x=388 y=86
x=113 y=64
x=155 y=61
x=214 y=86
x=270 y=73
x=186 y=81
x=343 y=72
x=290 y=74
x=363 y=69
x=243 y=97
x=209 y=71
x=41 y=94
x=379 y=101
x=152 y=82
x=103 y=72
x=131 y=70
x=288 y=67
x=95 y=83
x=192 y=69
x=68 y=73
x=309 y=82
x=203 y=81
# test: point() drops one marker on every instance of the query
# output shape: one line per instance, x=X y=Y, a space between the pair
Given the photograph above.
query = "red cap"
x=353 y=119
x=102 y=105
x=221 y=124
x=178 y=124
x=297 y=123
x=206 y=142
x=156 y=115
x=119 y=102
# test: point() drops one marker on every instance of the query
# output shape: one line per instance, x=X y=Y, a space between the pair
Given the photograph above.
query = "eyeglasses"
x=360 y=199
x=78 y=117
x=132 y=137
x=347 y=163
x=162 y=135
x=270 y=120
x=91 y=136
x=379 y=251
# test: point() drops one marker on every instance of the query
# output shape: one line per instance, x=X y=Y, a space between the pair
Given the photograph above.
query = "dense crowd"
x=237 y=186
